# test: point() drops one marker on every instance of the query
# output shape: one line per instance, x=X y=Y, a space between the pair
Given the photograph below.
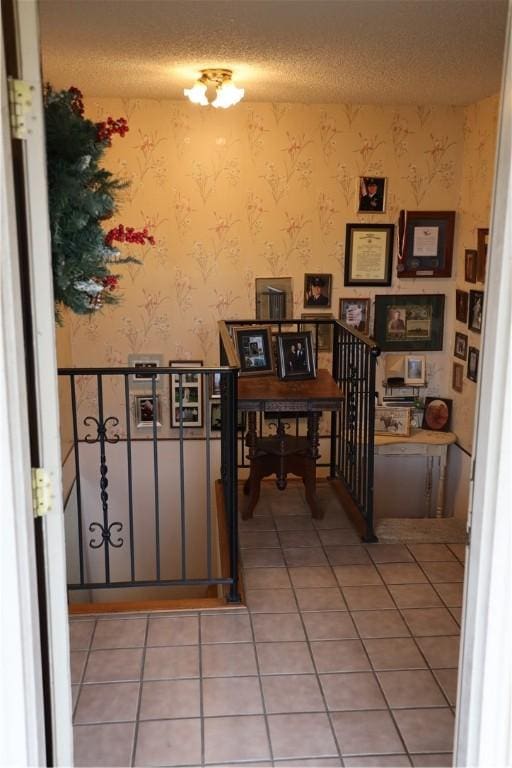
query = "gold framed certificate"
x=368 y=254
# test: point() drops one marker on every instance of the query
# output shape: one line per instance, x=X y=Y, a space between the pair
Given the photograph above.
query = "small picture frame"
x=473 y=355
x=371 y=194
x=356 y=313
x=461 y=306
x=254 y=345
x=482 y=242
x=147 y=411
x=409 y=322
x=425 y=243
x=415 y=368
x=295 y=358
x=460 y=349
x=470 y=265
x=476 y=308
x=317 y=290
x=320 y=331
x=147 y=363
x=274 y=298
x=437 y=414
x=214 y=381
x=392 y=421
x=186 y=395
x=457 y=377
x=215 y=417
x=368 y=254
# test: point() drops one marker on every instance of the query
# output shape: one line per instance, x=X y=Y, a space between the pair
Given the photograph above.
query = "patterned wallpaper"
x=266 y=190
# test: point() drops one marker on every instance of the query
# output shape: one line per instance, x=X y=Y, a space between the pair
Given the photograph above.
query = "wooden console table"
x=282 y=454
x=421 y=442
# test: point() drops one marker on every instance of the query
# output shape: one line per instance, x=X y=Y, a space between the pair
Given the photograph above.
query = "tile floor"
x=346 y=655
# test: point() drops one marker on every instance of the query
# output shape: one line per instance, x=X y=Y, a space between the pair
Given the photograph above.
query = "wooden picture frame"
x=458 y=377
x=470 y=265
x=254 y=345
x=437 y=414
x=392 y=421
x=274 y=298
x=186 y=395
x=409 y=322
x=356 y=313
x=371 y=194
x=325 y=330
x=425 y=243
x=475 y=312
x=145 y=411
x=461 y=305
x=415 y=370
x=295 y=359
x=473 y=357
x=369 y=254
x=460 y=348
x=317 y=290
x=482 y=242
x=147 y=363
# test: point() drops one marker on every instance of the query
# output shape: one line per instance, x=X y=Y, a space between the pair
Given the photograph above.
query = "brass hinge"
x=42 y=492
x=20 y=104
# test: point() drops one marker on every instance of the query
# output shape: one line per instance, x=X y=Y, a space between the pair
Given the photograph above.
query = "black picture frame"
x=473 y=357
x=476 y=311
x=482 y=242
x=425 y=243
x=409 y=322
x=295 y=359
x=317 y=290
x=254 y=345
x=470 y=265
x=437 y=414
x=461 y=305
x=371 y=197
x=460 y=348
x=369 y=254
x=355 y=312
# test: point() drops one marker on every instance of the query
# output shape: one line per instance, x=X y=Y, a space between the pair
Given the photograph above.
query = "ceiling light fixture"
x=227 y=93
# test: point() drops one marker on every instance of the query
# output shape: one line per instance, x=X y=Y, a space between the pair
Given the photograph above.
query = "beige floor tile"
x=169 y=742
x=292 y=693
x=231 y=696
x=433 y=761
x=113 y=666
x=431 y=553
x=225 y=628
x=380 y=624
x=271 y=601
x=394 y=653
x=331 y=533
x=107 y=702
x=401 y=573
x=103 y=745
x=329 y=625
x=440 y=651
x=228 y=659
x=410 y=688
x=295 y=523
x=262 y=558
x=299 y=556
x=451 y=594
x=447 y=679
x=249 y=539
x=314 y=576
x=389 y=553
x=257 y=524
x=357 y=575
x=438 y=572
x=175 y=630
x=334 y=519
x=366 y=733
x=351 y=691
x=235 y=739
x=377 y=761
x=171 y=662
x=320 y=599
x=414 y=595
x=426 y=730
x=266 y=578
x=77 y=662
x=307 y=735
x=119 y=633
x=308 y=538
x=80 y=634
x=430 y=621
x=350 y=555
x=367 y=598
x=340 y=656
x=165 y=699
x=315 y=762
x=284 y=658
x=280 y=627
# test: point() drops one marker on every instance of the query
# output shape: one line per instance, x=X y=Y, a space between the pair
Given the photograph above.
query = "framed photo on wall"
x=408 y=322
x=425 y=243
x=295 y=356
x=371 y=196
x=473 y=355
x=274 y=298
x=356 y=313
x=186 y=395
x=254 y=345
x=415 y=370
x=482 y=241
x=470 y=265
x=147 y=411
x=458 y=377
x=317 y=290
x=476 y=308
x=147 y=365
x=461 y=346
x=368 y=254
x=321 y=332
x=461 y=305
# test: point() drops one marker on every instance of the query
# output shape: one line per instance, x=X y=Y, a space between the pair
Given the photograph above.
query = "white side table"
x=421 y=442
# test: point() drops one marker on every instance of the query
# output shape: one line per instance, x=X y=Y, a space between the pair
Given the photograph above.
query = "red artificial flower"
x=124 y=234
x=110 y=282
x=77 y=104
x=106 y=129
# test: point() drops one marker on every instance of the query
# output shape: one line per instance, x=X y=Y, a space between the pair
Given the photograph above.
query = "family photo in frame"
x=356 y=313
x=254 y=345
x=295 y=356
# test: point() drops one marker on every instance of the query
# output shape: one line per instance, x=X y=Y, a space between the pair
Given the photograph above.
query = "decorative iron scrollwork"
x=106 y=535
x=101 y=427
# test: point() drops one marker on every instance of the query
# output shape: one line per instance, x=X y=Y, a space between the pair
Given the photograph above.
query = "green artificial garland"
x=82 y=195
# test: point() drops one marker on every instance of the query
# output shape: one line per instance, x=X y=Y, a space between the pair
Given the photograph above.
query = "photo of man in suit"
x=371 y=194
x=317 y=291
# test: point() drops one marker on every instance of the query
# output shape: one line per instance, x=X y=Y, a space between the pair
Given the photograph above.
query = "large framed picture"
x=254 y=344
x=425 y=243
x=356 y=313
x=274 y=298
x=320 y=332
x=368 y=254
x=392 y=421
x=295 y=358
x=147 y=411
x=186 y=395
x=476 y=307
x=317 y=290
x=371 y=194
x=147 y=365
x=409 y=322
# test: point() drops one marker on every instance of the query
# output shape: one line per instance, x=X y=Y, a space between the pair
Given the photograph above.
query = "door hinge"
x=20 y=105
x=42 y=492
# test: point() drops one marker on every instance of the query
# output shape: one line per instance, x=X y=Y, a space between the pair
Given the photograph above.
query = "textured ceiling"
x=311 y=51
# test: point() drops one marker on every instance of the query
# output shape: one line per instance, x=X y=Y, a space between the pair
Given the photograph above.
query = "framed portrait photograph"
x=147 y=411
x=460 y=349
x=186 y=394
x=371 y=194
x=295 y=359
x=425 y=243
x=457 y=377
x=482 y=242
x=437 y=413
x=147 y=365
x=392 y=421
x=408 y=322
x=317 y=290
x=415 y=370
x=368 y=254
x=321 y=332
x=356 y=313
x=216 y=418
x=214 y=381
x=470 y=265
x=476 y=308
x=274 y=298
x=473 y=355
x=254 y=345
x=461 y=305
